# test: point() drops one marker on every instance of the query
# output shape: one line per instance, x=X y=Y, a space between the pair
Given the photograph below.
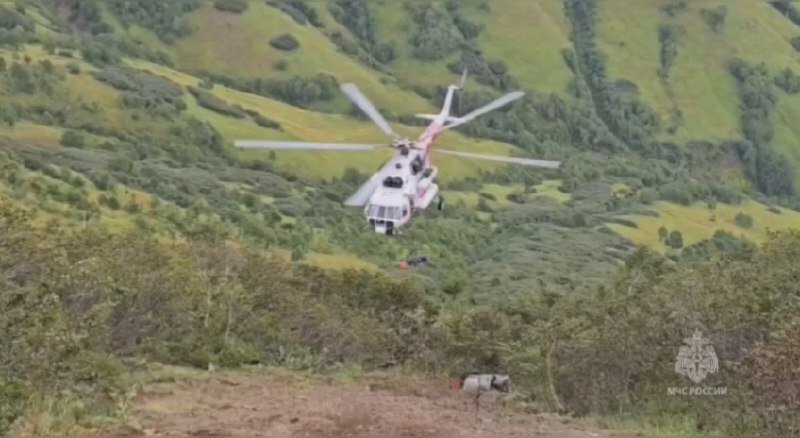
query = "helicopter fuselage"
x=408 y=184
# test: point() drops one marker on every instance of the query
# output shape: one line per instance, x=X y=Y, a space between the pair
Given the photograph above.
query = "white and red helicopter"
x=406 y=183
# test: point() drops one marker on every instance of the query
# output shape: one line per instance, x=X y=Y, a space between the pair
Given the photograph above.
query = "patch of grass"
x=499 y=192
x=694 y=224
x=245 y=51
x=32 y=134
x=550 y=187
x=528 y=37
x=699 y=84
x=339 y=261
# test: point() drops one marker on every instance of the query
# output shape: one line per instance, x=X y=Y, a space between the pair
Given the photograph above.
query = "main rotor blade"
x=515 y=160
x=362 y=102
x=362 y=195
x=493 y=105
x=296 y=145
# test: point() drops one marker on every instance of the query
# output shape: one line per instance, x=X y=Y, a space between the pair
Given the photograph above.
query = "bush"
x=300 y=12
x=214 y=103
x=266 y=123
x=795 y=41
x=144 y=90
x=715 y=18
x=285 y=42
x=233 y=6
x=73 y=68
x=788 y=81
x=743 y=220
x=675 y=239
x=73 y=139
x=298 y=91
x=167 y=19
x=434 y=35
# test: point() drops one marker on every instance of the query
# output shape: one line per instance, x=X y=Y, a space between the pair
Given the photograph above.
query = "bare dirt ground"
x=280 y=407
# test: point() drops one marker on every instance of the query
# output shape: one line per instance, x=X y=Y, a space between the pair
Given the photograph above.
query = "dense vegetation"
x=131 y=230
x=207 y=302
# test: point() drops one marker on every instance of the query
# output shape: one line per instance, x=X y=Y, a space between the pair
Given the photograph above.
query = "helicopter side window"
x=416 y=165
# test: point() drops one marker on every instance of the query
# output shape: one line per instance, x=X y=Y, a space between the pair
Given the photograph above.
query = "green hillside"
x=675 y=121
x=644 y=98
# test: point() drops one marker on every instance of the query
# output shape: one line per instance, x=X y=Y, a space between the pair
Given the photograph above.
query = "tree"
x=662 y=233
x=675 y=239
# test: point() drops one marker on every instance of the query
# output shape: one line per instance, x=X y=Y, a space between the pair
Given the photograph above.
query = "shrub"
x=265 y=122
x=675 y=239
x=214 y=103
x=743 y=220
x=233 y=6
x=285 y=42
x=73 y=139
x=143 y=90
x=73 y=68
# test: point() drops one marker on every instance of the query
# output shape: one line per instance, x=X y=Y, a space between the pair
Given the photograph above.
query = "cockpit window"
x=382 y=212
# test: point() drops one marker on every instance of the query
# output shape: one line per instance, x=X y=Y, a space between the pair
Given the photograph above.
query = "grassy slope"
x=528 y=37
x=699 y=84
x=245 y=51
x=88 y=90
x=695 y=225
x=297 y=123
x=548 y=188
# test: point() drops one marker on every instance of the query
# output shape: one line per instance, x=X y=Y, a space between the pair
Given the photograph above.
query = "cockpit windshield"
x=382 y=212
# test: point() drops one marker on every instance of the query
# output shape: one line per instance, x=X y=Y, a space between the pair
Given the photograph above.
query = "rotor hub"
x=404 y=145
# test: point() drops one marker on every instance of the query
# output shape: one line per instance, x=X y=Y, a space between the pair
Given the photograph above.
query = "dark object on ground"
x=414 y=261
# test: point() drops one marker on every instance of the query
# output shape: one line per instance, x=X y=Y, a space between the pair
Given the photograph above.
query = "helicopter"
x=406 y=184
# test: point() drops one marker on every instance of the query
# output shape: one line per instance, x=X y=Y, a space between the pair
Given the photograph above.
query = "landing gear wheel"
x=440 y=204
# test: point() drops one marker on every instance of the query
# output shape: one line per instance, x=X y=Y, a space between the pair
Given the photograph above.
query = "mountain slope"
x=699 y=86
x=698 y=95
x=122 y=195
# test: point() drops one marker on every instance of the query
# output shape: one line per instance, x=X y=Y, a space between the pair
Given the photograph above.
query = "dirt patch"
x=269 y=406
